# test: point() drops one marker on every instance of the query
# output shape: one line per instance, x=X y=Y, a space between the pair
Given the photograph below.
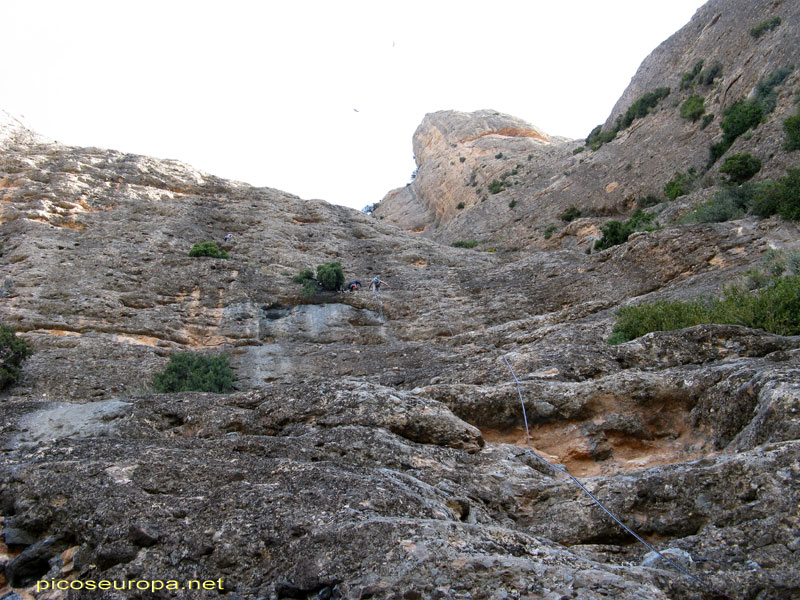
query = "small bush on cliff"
x=688 y=79
x=791 y=125
x=693 y=108
x=710 y=73
x=13 y=350
x=306 y=278
x=730 y=203
x=641 y=107
x=664 y=315
x=597 y=137
x=330 y=276
x=570 y=214
x=765 y=26
x=680 y=184
x=496 y=186
x=775 y=308
x=192 y=372
x=766 y=96
x=465 y=244
x=618 y=232
x=737 y=118
x=208 y=249
x=740 y=167
x=781 y=196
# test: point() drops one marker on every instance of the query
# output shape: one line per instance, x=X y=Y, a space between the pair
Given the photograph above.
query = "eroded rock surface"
x=488 y=177
x=375 y=446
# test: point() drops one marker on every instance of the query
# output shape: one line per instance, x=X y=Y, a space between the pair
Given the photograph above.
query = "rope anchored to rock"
x=562 y=470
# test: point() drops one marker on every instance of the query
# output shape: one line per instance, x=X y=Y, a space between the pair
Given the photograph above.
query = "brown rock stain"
x=665 y=437
x=509 y=132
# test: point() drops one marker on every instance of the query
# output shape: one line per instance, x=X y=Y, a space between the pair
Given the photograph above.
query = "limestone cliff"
x=538 y=179
x=374 y=446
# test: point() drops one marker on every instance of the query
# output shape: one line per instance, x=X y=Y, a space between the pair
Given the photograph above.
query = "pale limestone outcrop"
x=630 y=170
x=374 y=445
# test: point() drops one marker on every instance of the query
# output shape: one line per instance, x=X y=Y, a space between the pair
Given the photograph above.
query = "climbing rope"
x=587 y=492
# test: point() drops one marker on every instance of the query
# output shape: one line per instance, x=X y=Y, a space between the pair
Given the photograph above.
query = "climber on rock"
x=376 y=283
x=354 y=285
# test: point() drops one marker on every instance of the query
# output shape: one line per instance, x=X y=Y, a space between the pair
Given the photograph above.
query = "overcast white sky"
x=267 y=92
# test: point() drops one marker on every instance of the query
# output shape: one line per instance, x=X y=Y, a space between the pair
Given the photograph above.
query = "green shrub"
x=462 y=159
x=765 y=26
x=512 y=204
x=793 y=262
x=710 y=73
x=693 y=108
x=330 y=276
x=726 y=205
x=617 y=232
x=687 y=79
x=679 y=185
x=706 y=120
x=193 y=372
x=717 y=150
x=496 y=186
x=739 y=117
x=13 y=350
x=499 y=155
x=775 y=308
x=755 y=279
x=465 y=244
x=598 y=137
x=664 y=315
x=306 y=278
x=775 y=262
x=740 y=167
x=640 y=108
x=208 y=249
x=614 y=233
x=309 y=288
x=674 y=188
x=647 y=201
x=791 y=126
x=579 y=150
x=781 y=196
x=550 y=230
x=460 y=205
x=570 y=214
x=303 y=275
x=766 y=96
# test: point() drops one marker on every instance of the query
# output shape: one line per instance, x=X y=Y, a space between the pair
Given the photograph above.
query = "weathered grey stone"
x=387 y=457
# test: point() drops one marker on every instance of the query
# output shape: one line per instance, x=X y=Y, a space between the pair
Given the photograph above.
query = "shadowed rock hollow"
x=374 y=446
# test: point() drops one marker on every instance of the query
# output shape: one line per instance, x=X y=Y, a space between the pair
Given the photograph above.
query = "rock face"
x=458 y=155
x=539 y=176
x=374 y=446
